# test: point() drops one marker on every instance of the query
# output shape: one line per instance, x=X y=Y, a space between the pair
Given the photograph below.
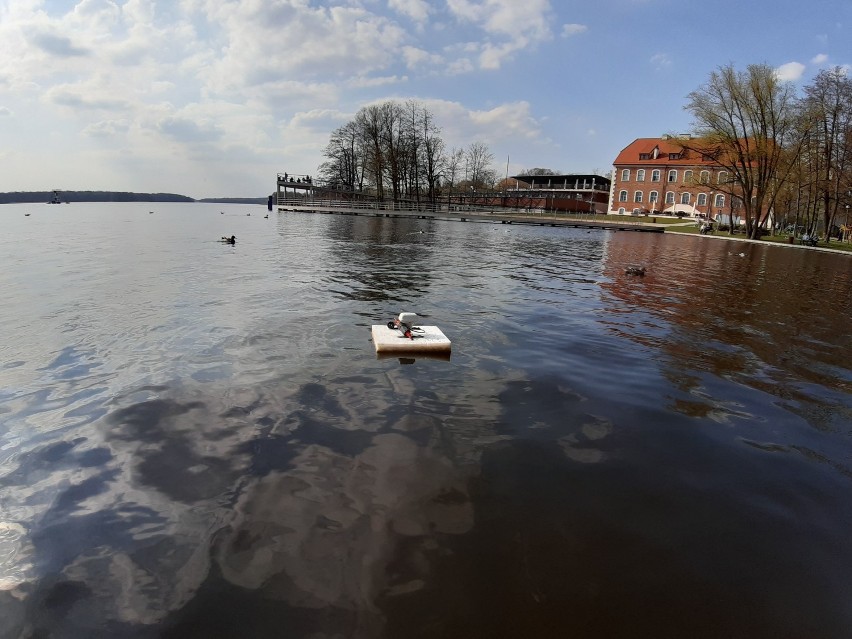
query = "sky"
x=212 y=98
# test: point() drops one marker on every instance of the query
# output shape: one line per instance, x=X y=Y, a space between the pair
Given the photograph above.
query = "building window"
x=720 y=201
x=723 y=177
x=687 y=176
x=625 y=175
x=621 y=211
x=670 y=197
x=637 y=197
x=684 y=198
x=705 y=177
x=702 y=199
x=674 y=156
x=640 y=175
x=622 y=196
x=655 y=175
x=644 y=156
x=672 y=176
x=653 y=196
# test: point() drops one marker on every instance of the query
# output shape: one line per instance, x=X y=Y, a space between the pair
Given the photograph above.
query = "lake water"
x=198 y=440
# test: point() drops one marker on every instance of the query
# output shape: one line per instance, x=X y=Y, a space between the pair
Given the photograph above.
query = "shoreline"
x=824 y=249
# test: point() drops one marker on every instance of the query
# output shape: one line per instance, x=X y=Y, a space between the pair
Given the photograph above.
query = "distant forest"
x=115 y=196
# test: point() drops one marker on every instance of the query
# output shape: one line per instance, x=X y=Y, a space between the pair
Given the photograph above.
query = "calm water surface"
x=197 y=439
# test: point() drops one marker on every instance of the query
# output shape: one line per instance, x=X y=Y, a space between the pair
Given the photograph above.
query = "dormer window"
x=674 y=156
x=644 y=156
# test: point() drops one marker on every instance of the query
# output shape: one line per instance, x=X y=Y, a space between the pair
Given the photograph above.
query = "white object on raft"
x=424 y=339
x=409 y=319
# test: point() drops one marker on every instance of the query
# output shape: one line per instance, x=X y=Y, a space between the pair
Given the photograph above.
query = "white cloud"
x=661 y=61
x=791 y=71
x=362 y=82
x=415 y=9
x=189 y=130
x=818 y=59
x=138 y=11
x=513 y=25
x=572 y=29
x=107 y=128
x=5 y=112
x=416 y=57
x=461 y=125
x=267 y=44
x=57 y=45
x=85 y=97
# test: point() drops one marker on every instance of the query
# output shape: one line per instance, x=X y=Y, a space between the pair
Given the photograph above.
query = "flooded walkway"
x=491 y=216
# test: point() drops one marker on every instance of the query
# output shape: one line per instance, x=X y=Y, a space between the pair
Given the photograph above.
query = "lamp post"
x=710 y=207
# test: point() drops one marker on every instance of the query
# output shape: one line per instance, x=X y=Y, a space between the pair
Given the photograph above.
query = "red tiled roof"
x=633 y=151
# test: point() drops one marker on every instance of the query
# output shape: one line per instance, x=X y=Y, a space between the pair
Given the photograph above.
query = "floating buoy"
x=635 y=270
x=405 y=334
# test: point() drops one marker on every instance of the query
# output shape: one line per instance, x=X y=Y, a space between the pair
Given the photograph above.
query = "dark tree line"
x=90 y=196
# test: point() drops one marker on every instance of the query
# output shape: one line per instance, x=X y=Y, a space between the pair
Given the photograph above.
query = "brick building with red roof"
x=660 y=176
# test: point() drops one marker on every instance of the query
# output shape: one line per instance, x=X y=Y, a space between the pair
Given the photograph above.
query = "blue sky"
x=213 y=97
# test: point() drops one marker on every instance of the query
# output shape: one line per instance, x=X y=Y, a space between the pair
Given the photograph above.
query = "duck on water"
x=229 y=240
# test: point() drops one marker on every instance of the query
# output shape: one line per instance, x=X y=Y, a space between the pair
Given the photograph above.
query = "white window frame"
x=670 y=197
x=622 y=195
x=637 y=197
x=625 y=175
x=672 y=175
x=687 y=176
x=640 y=175
x=719 y=200
x=656 y=174
x=685 y=198
x=702 y=200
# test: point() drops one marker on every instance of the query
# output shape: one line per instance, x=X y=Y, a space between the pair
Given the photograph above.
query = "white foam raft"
x=427 y=340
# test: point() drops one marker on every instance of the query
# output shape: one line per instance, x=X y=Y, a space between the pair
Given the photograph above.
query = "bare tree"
x=747 y=125
x=479 y=160
x=828 y=108
x=370 y=125
x=453 y=170
x=434 y=158
x=343 y=165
